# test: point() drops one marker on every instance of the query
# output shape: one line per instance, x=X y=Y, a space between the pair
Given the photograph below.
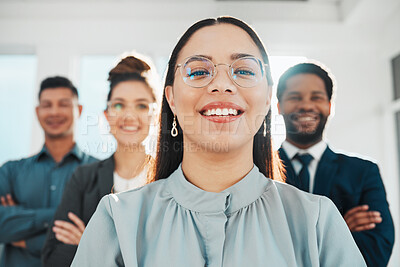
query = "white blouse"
x=122 y=184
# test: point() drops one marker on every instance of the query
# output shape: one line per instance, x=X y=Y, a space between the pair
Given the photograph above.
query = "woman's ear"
x=169 y=94
x=268 y=104
x=106 y=114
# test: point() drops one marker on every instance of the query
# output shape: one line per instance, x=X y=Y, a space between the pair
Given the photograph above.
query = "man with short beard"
x=31 y=188
x=353 y=184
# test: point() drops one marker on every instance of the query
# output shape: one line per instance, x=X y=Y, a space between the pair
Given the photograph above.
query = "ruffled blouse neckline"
x=232 y=199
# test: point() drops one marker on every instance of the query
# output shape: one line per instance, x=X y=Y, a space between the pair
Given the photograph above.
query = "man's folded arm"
x=35 y=243
x=376 y=244
x=18 y=223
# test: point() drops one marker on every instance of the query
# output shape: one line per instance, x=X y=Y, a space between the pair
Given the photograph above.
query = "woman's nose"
x=222 y=81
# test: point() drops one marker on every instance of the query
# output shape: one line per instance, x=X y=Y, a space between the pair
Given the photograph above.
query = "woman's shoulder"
x=88 y=172
x=148 y=194
x=92 y=167
x=291 y=192
x=299 y=202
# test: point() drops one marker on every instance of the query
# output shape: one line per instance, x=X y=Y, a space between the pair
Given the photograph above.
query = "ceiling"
x=337 y=11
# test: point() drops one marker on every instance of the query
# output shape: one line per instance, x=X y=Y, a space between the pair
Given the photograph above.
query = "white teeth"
x=130 y=128
x=305 y=119
x=233 y=112
x=220 y=112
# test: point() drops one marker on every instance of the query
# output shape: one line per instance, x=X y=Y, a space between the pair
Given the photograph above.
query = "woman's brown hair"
x=131 y=68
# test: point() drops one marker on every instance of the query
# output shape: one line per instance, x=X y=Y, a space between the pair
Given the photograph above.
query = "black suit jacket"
x=350 y=182
x=88 y=184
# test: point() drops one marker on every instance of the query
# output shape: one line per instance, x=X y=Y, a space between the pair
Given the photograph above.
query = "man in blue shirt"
x=31 y=188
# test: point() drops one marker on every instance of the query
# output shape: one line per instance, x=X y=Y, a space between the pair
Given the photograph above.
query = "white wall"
x=389 y=46
x=357 y=49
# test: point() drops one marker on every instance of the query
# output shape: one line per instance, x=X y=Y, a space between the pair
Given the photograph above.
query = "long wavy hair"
x=169 y=152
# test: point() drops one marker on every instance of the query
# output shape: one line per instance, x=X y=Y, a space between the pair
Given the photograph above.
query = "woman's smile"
x=221 y=112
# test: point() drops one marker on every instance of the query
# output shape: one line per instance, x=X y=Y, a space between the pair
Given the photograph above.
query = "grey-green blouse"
x=256 y=222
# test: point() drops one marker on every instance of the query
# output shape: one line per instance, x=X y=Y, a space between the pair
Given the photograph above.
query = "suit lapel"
x=105 y=173
x=291 y=177
x=326 y=172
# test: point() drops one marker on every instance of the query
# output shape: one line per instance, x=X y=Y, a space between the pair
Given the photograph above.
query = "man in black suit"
x=353 y=184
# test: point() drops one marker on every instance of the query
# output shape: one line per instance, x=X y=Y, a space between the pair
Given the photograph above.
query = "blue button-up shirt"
x=36 y=184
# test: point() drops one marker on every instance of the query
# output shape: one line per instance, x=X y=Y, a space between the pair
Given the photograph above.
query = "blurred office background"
x=359 y=40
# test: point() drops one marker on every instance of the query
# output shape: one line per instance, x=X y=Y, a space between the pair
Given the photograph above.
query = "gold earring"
x=174 y=130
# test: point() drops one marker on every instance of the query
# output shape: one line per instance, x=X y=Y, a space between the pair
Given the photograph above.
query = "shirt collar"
x=43 y=153
x=241 y=194
x=75 y=152
x=315 y=151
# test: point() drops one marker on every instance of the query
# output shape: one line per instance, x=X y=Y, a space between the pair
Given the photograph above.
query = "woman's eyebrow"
x=233 y=56
x=195 y=57
x=240 y=55
x=136 y=100
x=118 y=99
x=142 y=100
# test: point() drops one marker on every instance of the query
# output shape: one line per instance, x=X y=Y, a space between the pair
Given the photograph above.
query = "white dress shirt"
x=122 y=184
x=315 y=151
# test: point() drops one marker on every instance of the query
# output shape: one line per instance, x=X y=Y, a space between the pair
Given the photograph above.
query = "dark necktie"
x=304 y=174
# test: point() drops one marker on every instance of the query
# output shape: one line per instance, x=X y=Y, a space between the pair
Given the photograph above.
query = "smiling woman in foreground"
x=211 y=203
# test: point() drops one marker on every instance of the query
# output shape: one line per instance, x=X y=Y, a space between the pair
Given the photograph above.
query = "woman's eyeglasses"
x=117 y=107
x=198 y=71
